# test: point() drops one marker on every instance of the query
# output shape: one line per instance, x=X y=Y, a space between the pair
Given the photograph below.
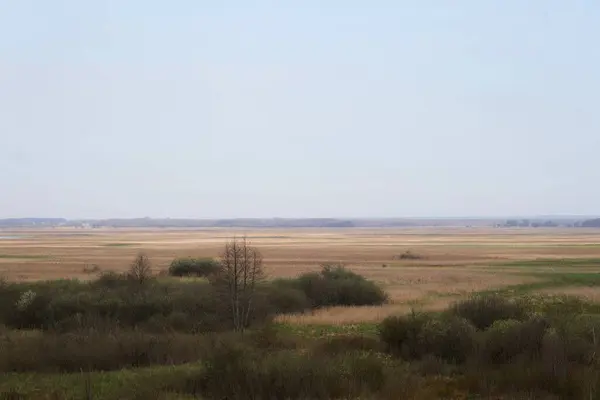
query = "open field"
x=121 y=338
x=454 y=262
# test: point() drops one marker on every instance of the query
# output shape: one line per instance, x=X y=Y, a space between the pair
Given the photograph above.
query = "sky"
x=224 y=109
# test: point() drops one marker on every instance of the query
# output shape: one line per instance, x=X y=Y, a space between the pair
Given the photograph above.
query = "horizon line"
x=507 y=216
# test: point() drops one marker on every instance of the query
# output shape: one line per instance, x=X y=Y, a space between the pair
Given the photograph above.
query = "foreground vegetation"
x=484 y=346
x=136 y=336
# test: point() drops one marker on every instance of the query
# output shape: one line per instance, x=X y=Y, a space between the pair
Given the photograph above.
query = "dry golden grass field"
x=454 y=262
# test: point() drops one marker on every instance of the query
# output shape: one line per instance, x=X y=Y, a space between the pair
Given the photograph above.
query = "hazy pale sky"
x=299 y=108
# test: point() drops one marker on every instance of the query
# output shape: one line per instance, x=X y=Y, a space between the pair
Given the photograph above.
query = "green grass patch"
x=550 y=280
x=125 y=384
x=553 y=263
x=320 y=330
x=574 y=279
x=120 y=244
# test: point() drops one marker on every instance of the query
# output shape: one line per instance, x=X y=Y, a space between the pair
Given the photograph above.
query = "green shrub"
x=484 y=310
x=115 y=301
x=337 y=286
x=9 y=296
x=26 y=305
x=507 y=339
x=110 y=280
x=574 y=339
x=236 y=372
x=401 y=335
x=270 y=337
x=451 y=339
x=112 y=301
x=286 y=299
x=414 y=336
x=199 y=267
x=585 y=326
x=527 y=379
x=73 y=352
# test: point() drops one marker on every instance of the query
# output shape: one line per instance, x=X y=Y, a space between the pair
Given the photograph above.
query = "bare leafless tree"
x=236 y=281
x=140 y=269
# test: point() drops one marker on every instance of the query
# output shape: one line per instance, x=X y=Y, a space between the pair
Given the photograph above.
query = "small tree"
x=236 y=280
x=140 y=269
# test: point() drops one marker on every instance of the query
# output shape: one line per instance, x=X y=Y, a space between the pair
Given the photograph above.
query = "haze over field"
x=267 y=109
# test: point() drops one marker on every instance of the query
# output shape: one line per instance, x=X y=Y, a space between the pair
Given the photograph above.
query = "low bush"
x=110 y=280
x=525 y=379
x=73 y=352
x=506 y=340
x=585 y=326
x=235 y=372
x=401 y=334
x=198 y=267
x=415 y=336
x=451 y=339
x=574 y=340
x=335 y=285
x=531 y=356
x=484 y=310
x=286 y=299
x=114 y=301
x=136 y=300
x=271 y=337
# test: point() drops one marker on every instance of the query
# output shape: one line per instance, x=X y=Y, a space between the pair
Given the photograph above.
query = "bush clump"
x=484 y=310
x=196 y=267
x=574 y=339
x=74 y=352
x=401 y=334
x=507 y=339
x=234 y=371
x=113 y=302
x=285 y=299
x=451 y=339
x=335 y=285
x=415 y=336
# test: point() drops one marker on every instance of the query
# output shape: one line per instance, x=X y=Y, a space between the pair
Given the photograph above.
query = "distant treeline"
x=208 y=223
x=548 y=223
x=591 y=223
x=535 y=224
x=189 y=223
x=292 y=222
x=221 y=223
x=31 y=222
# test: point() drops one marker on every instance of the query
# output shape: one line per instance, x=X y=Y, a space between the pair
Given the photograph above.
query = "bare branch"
x=240 y=270
x=140 y=269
